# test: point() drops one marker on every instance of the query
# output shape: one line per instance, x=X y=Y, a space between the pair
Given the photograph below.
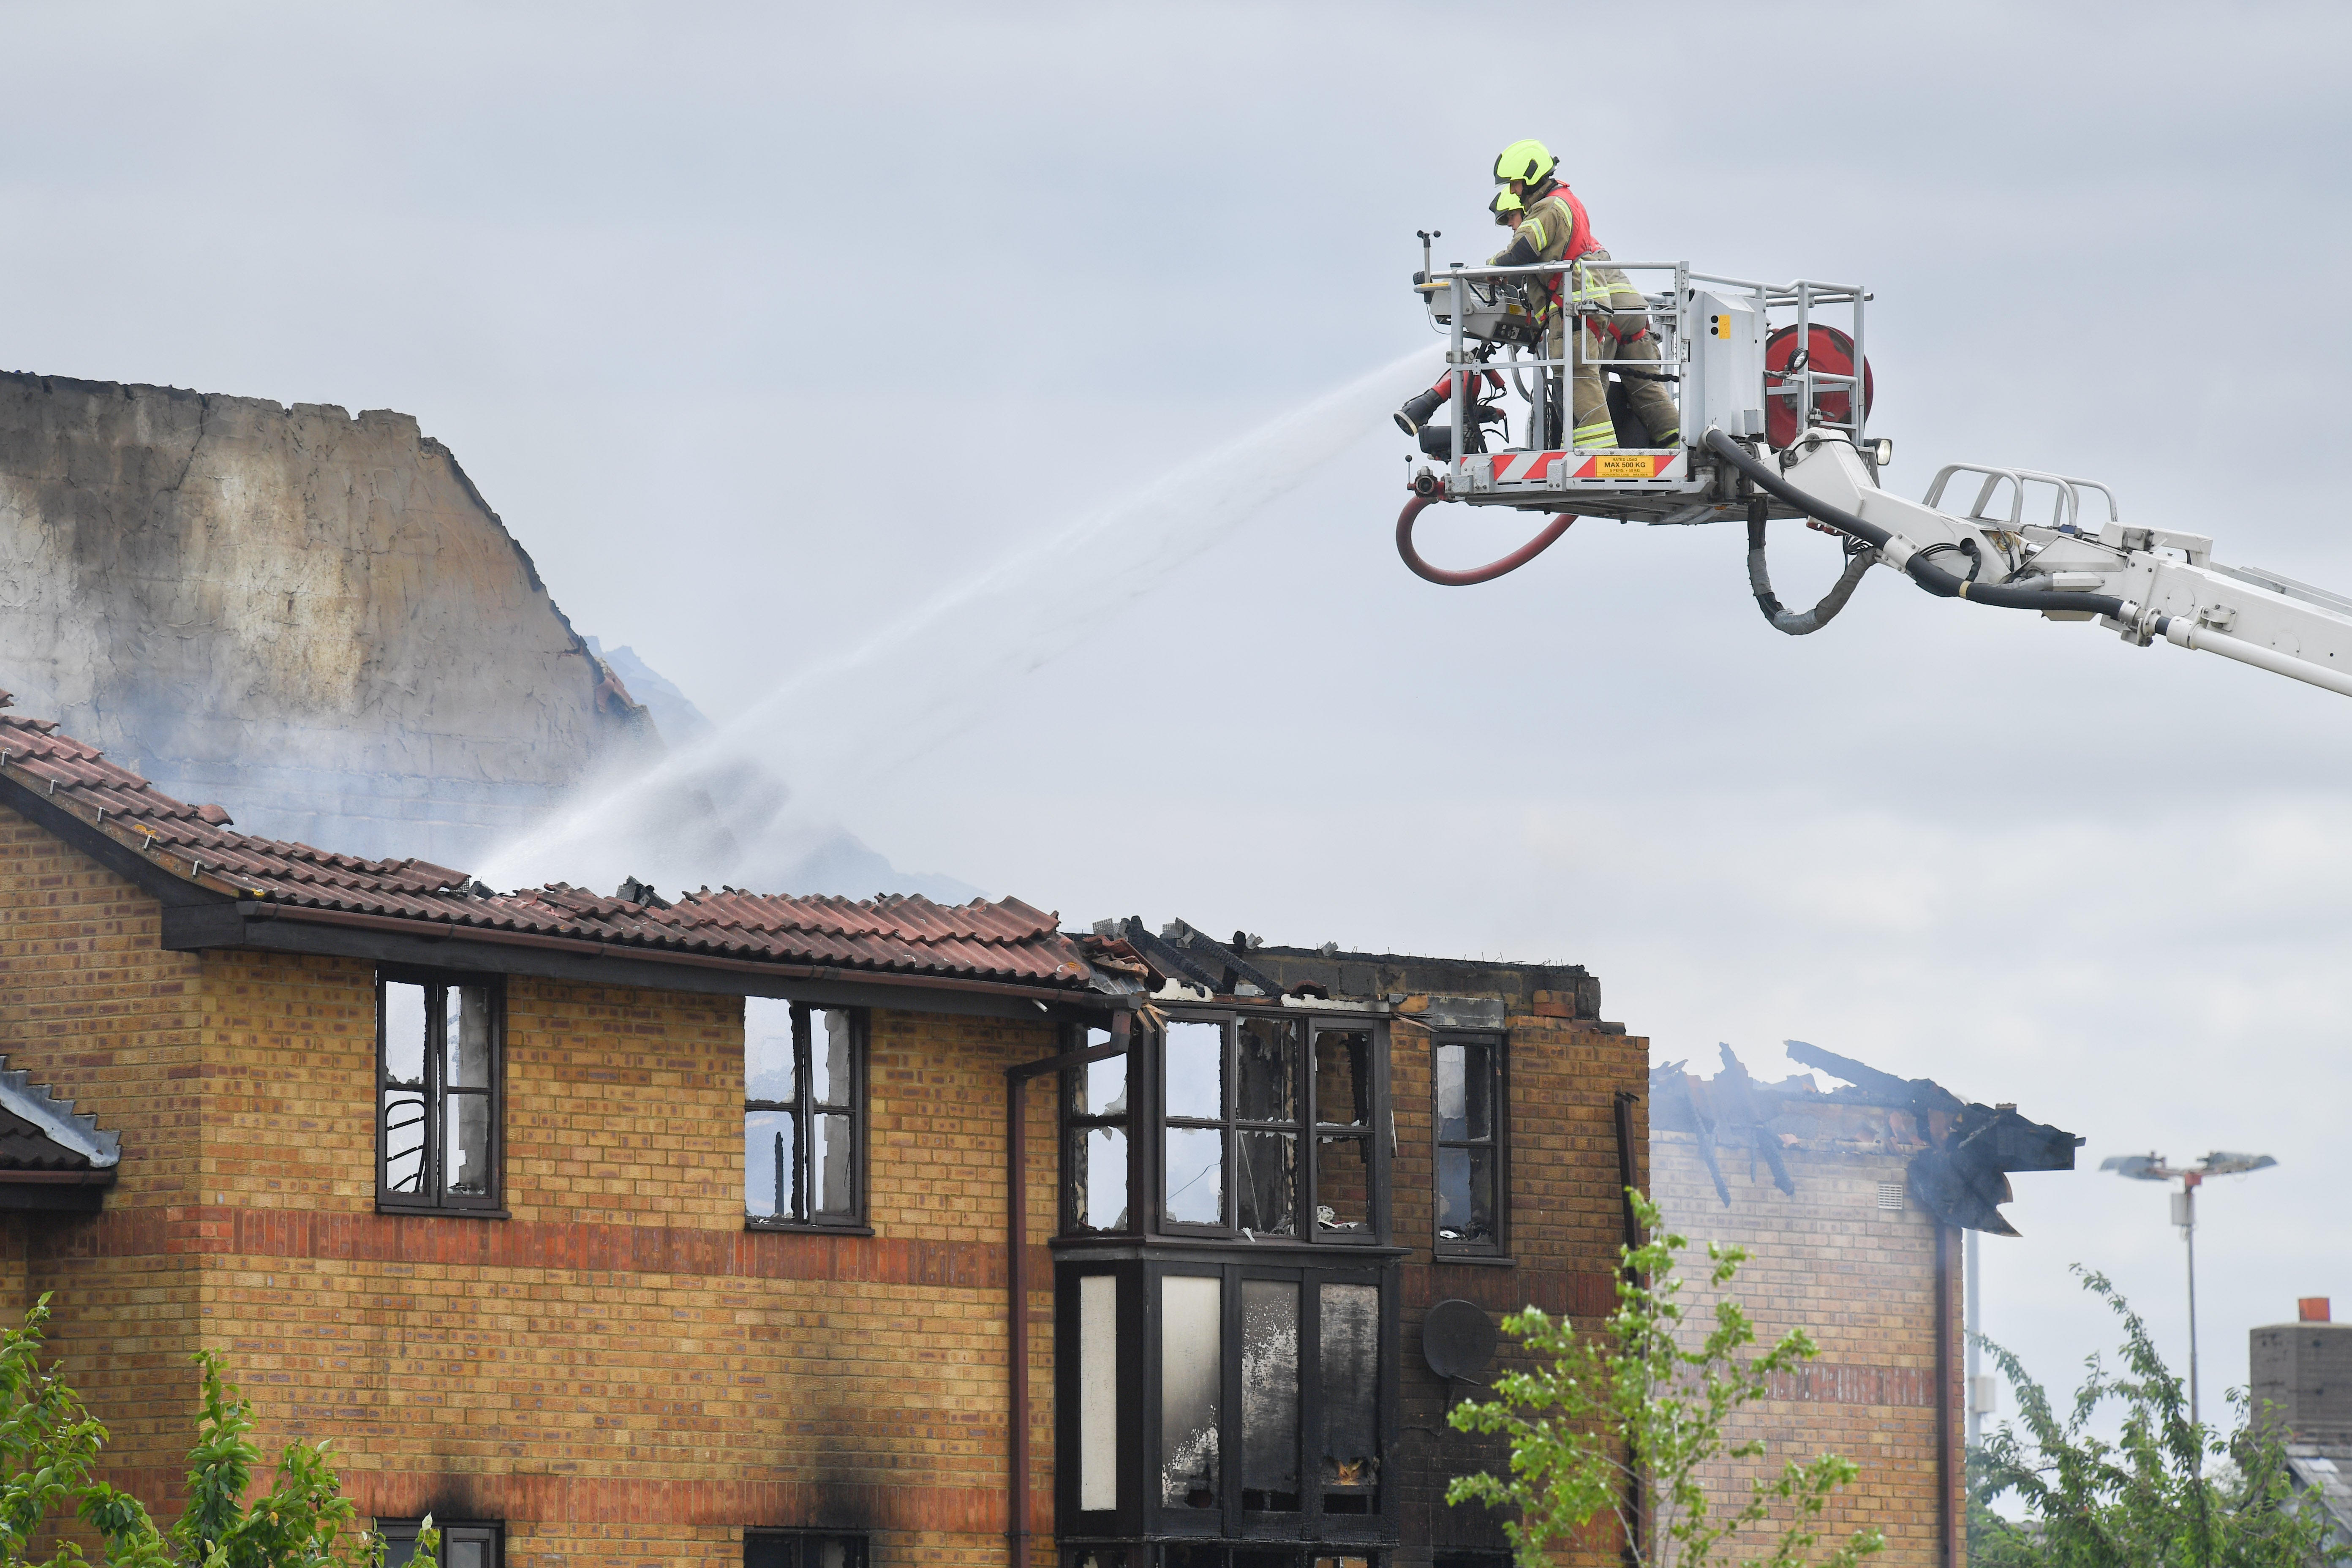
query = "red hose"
x=1486 y=573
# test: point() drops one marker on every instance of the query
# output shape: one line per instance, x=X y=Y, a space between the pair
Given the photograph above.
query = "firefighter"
x=1613 y=320
x=1508 y=210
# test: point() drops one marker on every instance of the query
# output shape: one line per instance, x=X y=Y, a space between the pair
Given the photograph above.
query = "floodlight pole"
x=2187 y=1216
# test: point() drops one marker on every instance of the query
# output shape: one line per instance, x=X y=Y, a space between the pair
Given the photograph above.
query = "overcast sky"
x=764 y=327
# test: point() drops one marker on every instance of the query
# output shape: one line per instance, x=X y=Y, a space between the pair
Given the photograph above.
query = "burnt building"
x=732 y=1227
x=1853 y=1202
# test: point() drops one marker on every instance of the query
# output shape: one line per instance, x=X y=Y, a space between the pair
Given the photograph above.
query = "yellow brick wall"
x=619 y=1369
x=1861 y=1281
x=92 y=1007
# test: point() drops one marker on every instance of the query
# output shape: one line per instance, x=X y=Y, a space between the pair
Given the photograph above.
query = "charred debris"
x=1960 y=1152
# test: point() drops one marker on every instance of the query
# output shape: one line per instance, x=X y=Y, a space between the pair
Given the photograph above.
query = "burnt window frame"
x=492 y=1532
x=798 y=1541
x=431 y=1199
x=1075 y=1124
x=1309 y=1127
x=1497 y=1142
x=1141 y=1511
x=802 y=1109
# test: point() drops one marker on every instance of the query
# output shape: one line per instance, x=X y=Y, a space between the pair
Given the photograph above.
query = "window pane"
x=1265 y=1182
x=404 y=1033
x=1351 y=1364
x=1099 y=1089
x=1196 y=1175
x=465 y=1554
x=768 y=1049
x=1479 y=1100
x=835 y=1552
x=768 y=1150
x=1268 y=1077
x=466 y=1155
x=1196 y=1070
x=468 y=1036
x=1465 y=1195
x=1453 y=1114
x=404 y=1140
x=1192 y=1335
x=1098 y=1156
x=1343 y=1085
x=1270 y=1396
x=1343 y=1185
x=1099 y=1391
x=835 y=1147
x=831 y=1082
x=770 y=1551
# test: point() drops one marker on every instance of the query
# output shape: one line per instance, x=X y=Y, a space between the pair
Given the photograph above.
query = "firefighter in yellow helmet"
x=1414 y=417
x=1613 y=320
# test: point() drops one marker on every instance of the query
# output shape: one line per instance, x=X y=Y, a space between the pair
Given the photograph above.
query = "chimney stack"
x=2300 y=1375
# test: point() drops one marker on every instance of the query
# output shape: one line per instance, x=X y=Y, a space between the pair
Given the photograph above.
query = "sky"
x=982 y=409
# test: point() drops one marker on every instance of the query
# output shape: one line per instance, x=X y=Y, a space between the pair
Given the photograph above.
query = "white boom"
x=1774 y=405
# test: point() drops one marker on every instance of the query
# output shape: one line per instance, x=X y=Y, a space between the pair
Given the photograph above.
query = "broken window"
x=467 y=1545
x=1191 y=1374
x=1270 y=1396
x=1195 y=1091
x=802 y=1549
x=1259 y=1114
x=1351 y=1386
x=1267 y=1126
x=437 y=1087
x=1467 y=1076
x=1094 y=1141
x=804 y=1114
x=1343 y=1119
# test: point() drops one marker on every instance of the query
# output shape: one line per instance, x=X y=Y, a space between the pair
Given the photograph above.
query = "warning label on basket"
x=1624 y=466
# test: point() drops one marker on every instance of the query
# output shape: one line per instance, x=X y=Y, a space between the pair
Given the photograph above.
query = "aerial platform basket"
x=1759 y=360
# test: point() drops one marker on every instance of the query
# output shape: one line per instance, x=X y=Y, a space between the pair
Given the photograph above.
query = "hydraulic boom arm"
x=2145 y=584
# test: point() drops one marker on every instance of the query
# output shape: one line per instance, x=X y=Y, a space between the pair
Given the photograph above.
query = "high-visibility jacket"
x=1556 y=226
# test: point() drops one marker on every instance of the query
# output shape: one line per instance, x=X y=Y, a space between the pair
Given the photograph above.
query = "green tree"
x=2166 y=1492
x=49 y=1449
x=1633 y=1403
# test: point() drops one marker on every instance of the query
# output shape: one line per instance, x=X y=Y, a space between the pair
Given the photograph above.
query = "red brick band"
x=585 y=1246
x=1556 y=1290
x=1840 y=1384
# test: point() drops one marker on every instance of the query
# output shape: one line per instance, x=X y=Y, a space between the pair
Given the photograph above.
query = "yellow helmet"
x=1504 y=204
x=1529 y=162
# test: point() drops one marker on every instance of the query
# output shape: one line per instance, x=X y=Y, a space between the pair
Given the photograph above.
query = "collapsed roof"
x=1960 y=1152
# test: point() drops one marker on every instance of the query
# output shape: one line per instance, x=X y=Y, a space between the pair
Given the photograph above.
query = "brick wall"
x=91 y=1006
x=620 y=1370
x=1564 y=1228
x=1861 y=1281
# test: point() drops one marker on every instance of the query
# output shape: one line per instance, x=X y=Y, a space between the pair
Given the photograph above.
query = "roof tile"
x=1009 y=941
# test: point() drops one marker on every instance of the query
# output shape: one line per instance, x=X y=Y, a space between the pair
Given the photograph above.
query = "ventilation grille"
x=1890 y=1194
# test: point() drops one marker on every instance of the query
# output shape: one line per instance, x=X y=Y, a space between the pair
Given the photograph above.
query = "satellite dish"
x=1457 y=1339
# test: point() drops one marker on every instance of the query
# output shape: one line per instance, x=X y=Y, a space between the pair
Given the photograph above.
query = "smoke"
x=721 y=809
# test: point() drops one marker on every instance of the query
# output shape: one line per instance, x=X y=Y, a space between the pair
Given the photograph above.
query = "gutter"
x=253 y=912
x=1017 y=1078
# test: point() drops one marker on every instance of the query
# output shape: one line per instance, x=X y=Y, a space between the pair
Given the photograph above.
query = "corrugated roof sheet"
x=1008 y=942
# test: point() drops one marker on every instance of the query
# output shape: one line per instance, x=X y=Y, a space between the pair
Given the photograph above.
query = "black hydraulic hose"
x=1794 y=622
x=1919 y=568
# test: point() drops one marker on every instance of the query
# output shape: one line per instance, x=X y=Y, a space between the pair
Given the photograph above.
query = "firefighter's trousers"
x=1614 y=325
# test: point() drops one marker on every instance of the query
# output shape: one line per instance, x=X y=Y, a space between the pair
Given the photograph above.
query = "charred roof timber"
x=1247 y=969
x=1961 y=1153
